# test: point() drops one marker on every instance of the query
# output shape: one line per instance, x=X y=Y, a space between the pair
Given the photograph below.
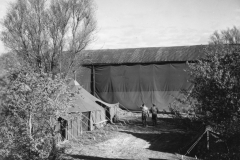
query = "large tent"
x=85 y=96
x=138 y=75
x=86 y=113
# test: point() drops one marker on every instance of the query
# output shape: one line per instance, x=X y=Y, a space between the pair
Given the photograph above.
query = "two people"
x=145 y=114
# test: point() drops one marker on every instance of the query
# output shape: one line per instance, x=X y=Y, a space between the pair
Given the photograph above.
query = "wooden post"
x=90 y=122
x=66 y=130
x=77 y=125
x=81 y=122
x=70 y=129
x=93 y=81
x=207 y=139
x=71 y=132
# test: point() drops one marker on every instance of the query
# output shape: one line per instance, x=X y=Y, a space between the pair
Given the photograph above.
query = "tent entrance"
x=106 y=108
x=63 y=128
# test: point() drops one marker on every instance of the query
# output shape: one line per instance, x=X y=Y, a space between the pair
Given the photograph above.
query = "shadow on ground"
x=156 y=159
x=167 y=136
x=80 y=157
x=164 y=142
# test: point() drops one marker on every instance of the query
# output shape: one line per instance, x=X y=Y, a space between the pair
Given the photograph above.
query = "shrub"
x=30 y=102
x=215 y=98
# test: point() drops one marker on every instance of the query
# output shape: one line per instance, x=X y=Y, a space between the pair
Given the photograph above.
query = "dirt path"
x=123 y=146
x=133 y=141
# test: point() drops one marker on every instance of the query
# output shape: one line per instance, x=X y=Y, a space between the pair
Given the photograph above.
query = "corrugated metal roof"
x=144 y=55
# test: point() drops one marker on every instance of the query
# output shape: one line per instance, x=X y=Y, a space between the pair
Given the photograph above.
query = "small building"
x=86 y=114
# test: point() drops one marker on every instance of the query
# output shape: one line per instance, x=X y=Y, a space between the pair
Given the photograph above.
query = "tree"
x=8 y=62
x=215 y=98
x=30 y=103
x=41 y=32
x=229 y=36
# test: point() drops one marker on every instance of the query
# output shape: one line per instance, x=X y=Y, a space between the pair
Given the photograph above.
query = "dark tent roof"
x=84 y=101
x=81 y=103
x=144 y=55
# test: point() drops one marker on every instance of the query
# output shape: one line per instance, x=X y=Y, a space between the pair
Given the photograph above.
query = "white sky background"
x=156 y=23
x=3 y=10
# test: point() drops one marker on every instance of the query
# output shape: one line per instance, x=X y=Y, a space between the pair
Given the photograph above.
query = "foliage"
x=30 y=104
x=216 y=87
x=8 y=61
x=43 y=32
x=40 y=32
x=215 y=98
x=229 y=36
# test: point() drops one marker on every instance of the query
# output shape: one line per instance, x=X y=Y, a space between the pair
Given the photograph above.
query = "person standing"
x=154 y=111
x=145 y=114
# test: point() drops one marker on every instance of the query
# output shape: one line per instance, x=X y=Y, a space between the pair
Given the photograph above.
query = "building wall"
x=83 y=77
x=132 y=85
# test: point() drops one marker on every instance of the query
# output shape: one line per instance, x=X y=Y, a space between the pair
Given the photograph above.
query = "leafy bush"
x=30 y=104
x=215 y=98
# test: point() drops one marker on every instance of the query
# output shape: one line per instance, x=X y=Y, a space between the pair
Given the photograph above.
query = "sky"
x=156 y=23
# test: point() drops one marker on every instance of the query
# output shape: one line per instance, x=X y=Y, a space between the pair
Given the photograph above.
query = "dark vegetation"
x=33 y=76
x=30 y=102
x=214 y=99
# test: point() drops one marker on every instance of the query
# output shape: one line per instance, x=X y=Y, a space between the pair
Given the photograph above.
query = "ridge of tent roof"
x=144 y=55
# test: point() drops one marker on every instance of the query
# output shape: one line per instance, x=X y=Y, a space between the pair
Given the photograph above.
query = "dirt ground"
x=130 y=140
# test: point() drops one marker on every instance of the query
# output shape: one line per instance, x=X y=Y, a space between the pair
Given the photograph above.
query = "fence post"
x=207 y=139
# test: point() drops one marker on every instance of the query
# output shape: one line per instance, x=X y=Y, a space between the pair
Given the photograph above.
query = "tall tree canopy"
x=42 y=31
